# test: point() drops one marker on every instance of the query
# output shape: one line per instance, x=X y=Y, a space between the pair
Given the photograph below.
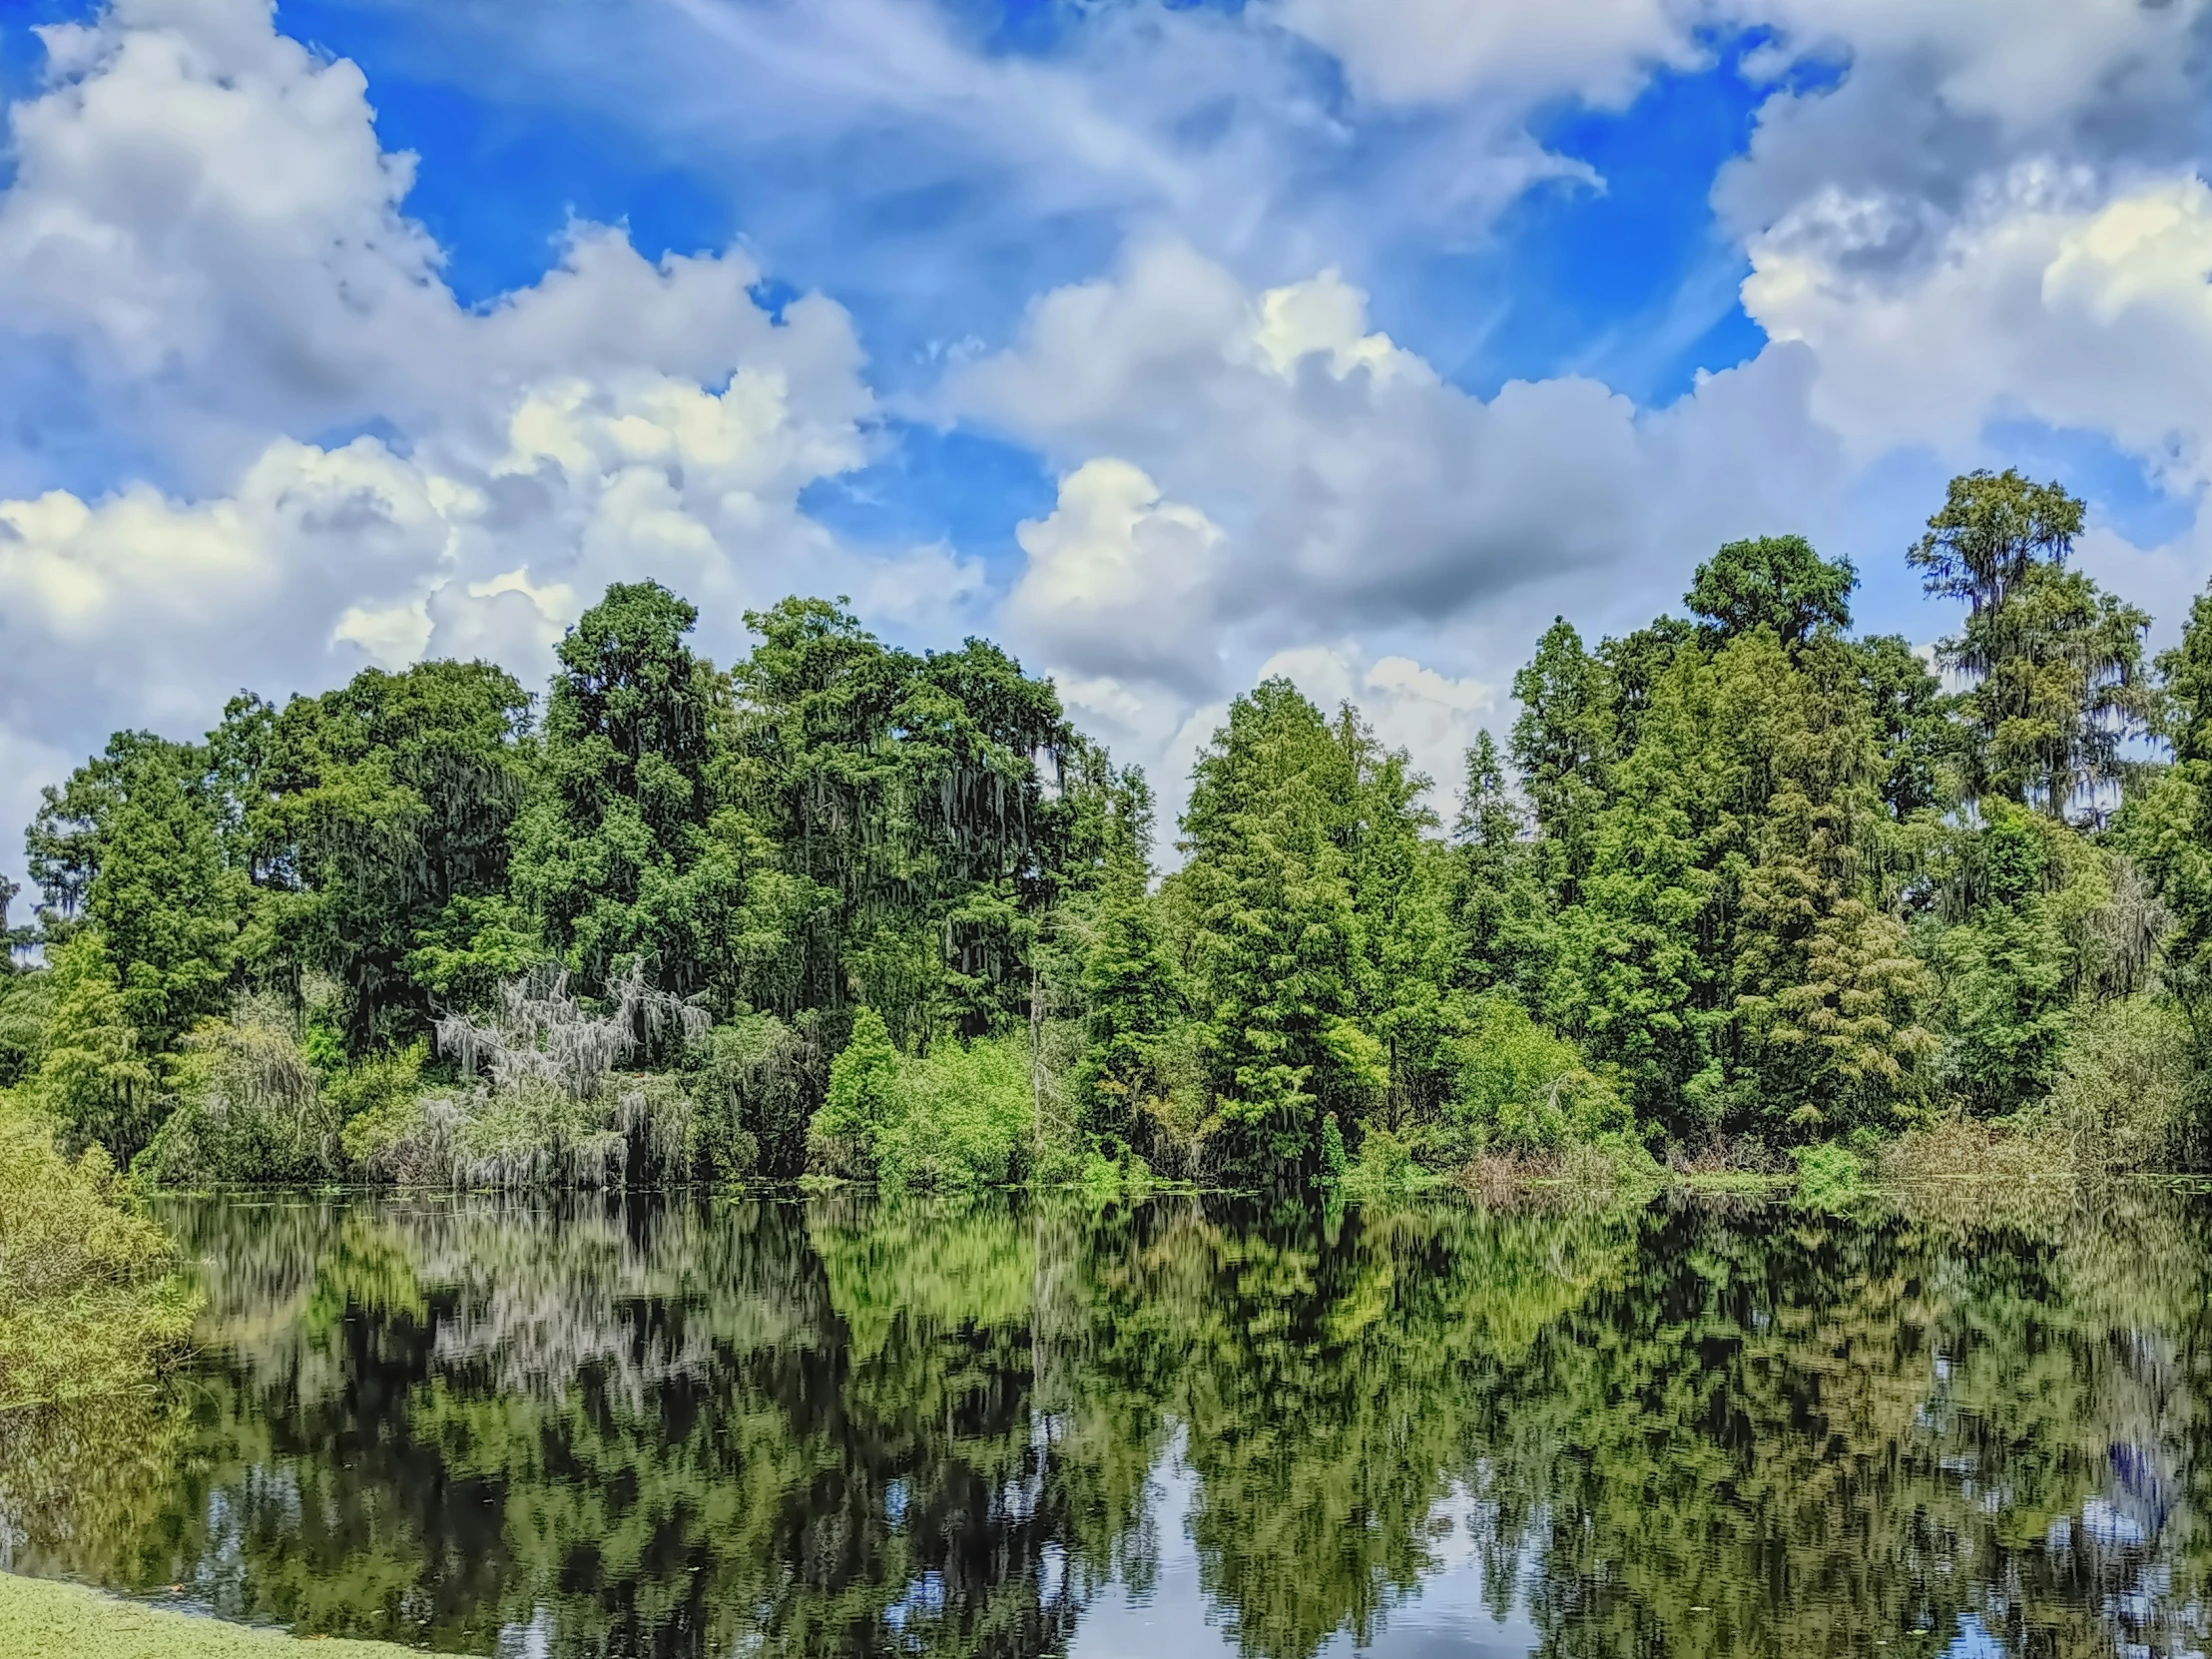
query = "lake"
x=716 y=1425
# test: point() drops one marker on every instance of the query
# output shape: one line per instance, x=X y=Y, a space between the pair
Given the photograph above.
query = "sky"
x=1170 y=345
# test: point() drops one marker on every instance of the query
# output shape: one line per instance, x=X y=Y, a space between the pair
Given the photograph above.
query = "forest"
x=1738 y=884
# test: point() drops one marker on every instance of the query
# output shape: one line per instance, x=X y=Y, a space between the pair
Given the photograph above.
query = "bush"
x=1829 y=1176
x=963 y=1116
x=1384 y=1168
x=756 y=1079
x=2123 y=1094
x=86 y=1305
x=250 y=1107
x=637 y=1129
x=1521 y=1089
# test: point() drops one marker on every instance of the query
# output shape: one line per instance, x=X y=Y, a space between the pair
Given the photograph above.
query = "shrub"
x=86 y=1305
x=1519 y=1089
x=250 y=1107
x=550 y=1109
x=2123 y=1094
x=1829 y=1176
x=755 y=1081
x=1386 y=1167
x=845 y=1137
x=963 y=1116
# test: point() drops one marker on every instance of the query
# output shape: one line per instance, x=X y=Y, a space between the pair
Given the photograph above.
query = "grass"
x=41 y=1619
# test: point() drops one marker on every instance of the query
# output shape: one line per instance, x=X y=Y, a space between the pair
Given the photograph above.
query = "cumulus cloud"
x=202 y=217
x=1408 y=51
x=1119 y=580
x=201 y=207
x=1936 y=104
x=1253 y=474
x=2094 y=316
x=1351 y=482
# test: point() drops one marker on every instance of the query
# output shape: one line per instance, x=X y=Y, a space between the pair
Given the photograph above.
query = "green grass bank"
x=42 y=1619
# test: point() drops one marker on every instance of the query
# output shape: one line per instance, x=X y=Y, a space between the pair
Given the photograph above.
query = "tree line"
x=1741 y=879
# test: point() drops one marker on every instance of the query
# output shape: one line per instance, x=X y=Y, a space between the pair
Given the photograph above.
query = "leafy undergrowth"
x=89 y=1306
x=40 y=1619
x=1961 y=1149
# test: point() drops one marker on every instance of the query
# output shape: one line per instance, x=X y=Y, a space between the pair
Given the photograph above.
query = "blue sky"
x=1171 y=344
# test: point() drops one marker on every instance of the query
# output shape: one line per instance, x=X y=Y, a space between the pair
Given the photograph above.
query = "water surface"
x=717 y=1426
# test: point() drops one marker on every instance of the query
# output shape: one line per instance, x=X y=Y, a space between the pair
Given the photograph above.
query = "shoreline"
x=49 y=1618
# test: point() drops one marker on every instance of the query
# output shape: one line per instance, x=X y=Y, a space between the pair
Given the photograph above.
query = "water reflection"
x=710 y=1427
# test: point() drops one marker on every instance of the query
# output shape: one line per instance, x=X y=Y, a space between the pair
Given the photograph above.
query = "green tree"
x=846 y=1133
x=2056 y=664
x=1401 y=892
x=2169 y=832
x=1563 y=745
x=608 y=856
x=1275 y=947
x=1913 y=724
x=96 y=1074
x=1774 y=582
x=130 y=846
x=906 y=798
x=378 y=819
x=1131 y=1002
x=2003 y=968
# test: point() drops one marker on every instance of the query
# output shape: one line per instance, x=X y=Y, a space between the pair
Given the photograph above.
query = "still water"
x=723 y=1426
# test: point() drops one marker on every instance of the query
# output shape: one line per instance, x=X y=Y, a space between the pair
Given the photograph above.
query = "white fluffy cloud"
x=1253 y=475
x=1352 y=483
x=1119 y=580
x=201 y=207
x=1407 y=51
x=203 y=216
x=2095 y=316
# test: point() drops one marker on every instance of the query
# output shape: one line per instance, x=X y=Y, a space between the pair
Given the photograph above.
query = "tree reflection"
x=718 y=1427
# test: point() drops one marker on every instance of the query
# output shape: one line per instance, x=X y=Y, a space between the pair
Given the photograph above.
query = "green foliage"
x=1775 y=582
x=1831 y=1177
x=129 y=846
x=86 y=1305
x=2056 y=664
x=886 y=915
x=756 y=1082
x=846 y=1133
x=614 y=854
x=94 y=1076
x=1519 y=1088
x=2124 y=1092
x=378 y=816
x=963 y=1115
x=1131 y=1004
x=249 y=1108
x=1275 y=956
x=2003 y=971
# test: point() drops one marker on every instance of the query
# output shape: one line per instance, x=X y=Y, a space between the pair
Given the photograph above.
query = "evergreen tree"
x=1564 y=740
x=1400 y=888
x=2002 y=969
x=128 y=846
x=608 y=856
x=1775 y=582
x=1276 y=947
x=2056 y=663
x=96 y=1074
